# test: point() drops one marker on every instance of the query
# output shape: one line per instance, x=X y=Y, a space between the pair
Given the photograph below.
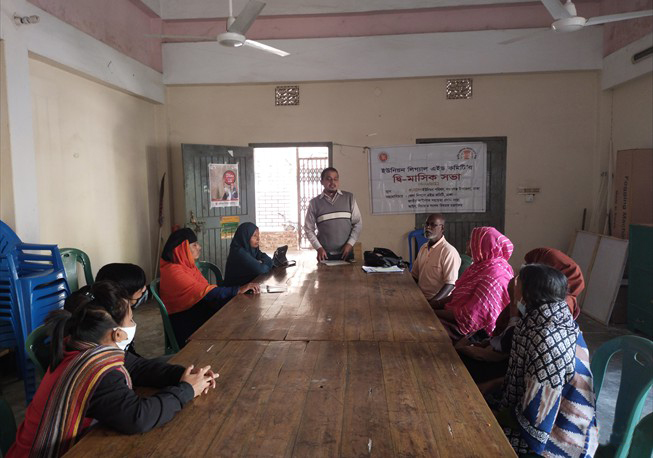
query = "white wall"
x=6 y=190
x=551 y=121
x=99 y=153
x=632 y=113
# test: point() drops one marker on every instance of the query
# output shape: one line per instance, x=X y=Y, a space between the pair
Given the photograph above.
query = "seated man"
x=436 y=267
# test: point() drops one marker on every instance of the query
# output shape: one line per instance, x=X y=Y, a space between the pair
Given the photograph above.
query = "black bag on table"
x=383 y=257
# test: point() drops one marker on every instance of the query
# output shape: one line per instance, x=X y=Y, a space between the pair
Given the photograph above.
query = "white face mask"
x=521 y=307
x=131 y=332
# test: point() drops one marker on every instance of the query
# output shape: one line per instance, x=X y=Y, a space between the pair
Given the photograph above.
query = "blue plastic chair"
x=37 y=278
x=8 y=239
x=415 y=238
x=636 y=381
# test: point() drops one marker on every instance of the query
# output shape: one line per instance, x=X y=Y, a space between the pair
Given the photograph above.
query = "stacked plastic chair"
x=8 y=239
x=32 y=283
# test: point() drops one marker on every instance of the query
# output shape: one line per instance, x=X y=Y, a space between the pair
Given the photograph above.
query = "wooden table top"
x=328 y=303
x=344 y=364
x=321 y=398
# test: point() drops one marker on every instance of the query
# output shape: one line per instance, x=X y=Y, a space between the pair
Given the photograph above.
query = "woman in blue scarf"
x=245 y=261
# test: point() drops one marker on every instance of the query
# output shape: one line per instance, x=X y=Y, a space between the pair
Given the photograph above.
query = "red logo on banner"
x=466 y=154
x=229 y=177
x=383 y=156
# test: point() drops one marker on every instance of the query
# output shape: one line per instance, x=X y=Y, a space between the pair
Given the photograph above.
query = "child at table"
x=88 y=380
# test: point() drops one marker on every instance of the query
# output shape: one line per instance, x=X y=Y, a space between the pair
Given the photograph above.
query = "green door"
x=215 y=189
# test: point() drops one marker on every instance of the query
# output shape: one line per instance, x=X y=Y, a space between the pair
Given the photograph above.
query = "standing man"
x=333 y=220
x=436 y=267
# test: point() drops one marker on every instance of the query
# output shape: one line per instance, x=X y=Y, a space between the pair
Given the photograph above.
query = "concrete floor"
x=149 y=343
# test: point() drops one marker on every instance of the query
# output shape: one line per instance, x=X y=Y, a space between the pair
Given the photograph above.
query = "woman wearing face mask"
x=547 y=405
x=189 y=298
x=245 y=261
x=88 y=379
x=487 y=361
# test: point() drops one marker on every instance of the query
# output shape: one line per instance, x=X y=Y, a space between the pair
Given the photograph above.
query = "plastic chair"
x=206 y=268
x=37 y=346
x=636 y=381
x=416 y=238
x=7 y=427
x=70 y=257
x=465 y=262
x=642 y=444
x=171 y=345
x=38 y=280
x=8 y=240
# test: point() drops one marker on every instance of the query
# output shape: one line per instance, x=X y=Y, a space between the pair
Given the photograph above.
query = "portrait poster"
x=223 y=181
x=429 y=178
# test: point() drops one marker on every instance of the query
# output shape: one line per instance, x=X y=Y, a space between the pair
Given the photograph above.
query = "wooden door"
x=200 y=216
x=459 y=225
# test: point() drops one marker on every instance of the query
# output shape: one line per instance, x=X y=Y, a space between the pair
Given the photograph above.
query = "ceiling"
x=192 y=9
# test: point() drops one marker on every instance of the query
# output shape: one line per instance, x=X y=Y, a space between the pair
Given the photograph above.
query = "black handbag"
x=382 y=257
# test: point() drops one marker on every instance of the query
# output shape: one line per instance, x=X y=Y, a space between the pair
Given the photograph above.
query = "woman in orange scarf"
x=189 y=298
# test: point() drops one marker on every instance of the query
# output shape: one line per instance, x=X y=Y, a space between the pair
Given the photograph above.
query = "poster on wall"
x=223 y=180
x=228 y=226
x=429 y=178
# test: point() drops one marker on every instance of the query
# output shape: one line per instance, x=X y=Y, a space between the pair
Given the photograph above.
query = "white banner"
x=429 y=178
x=223 y=181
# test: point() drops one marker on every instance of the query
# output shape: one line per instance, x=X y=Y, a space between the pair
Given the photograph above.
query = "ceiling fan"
x=237 y=27
x=567 y=20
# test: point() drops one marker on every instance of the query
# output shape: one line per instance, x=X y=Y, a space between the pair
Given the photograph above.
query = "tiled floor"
x=149 y=343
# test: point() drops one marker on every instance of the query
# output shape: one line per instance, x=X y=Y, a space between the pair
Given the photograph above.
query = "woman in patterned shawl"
x=481 y=293
x=548 y=404
x=87 y=378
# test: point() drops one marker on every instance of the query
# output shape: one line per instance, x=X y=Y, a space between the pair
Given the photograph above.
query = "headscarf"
x=176 y=239
x=241 y=239
x=558 y=260
x=481 y=293
x=245 y=262
x=182 y=284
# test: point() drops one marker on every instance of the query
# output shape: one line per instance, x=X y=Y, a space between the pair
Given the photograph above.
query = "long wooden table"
x=342 y=364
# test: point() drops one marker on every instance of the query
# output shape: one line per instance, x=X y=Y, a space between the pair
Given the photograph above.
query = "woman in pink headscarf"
x=481 y=293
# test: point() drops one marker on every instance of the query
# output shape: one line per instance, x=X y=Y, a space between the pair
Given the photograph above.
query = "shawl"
x=244 y=262
x=558 y=260
x=176 y=239
x=182 y=284
x=61 y=420
x=481 y=292
x=548 y=386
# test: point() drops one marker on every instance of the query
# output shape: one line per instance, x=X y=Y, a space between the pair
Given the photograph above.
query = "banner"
x=429 y=178
x=223 y=181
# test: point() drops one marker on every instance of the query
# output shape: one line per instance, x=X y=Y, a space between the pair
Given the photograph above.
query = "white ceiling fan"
x=237 y=27
x=567 y=20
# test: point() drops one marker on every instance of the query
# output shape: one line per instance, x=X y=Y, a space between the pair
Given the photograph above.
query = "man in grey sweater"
x=333 y=220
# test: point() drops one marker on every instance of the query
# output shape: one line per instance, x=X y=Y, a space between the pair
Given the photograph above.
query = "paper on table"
x=335 y=263
x=274 y=289
x=378 y=270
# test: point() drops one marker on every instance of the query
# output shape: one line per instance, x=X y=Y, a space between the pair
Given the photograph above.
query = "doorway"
x=287 y=177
